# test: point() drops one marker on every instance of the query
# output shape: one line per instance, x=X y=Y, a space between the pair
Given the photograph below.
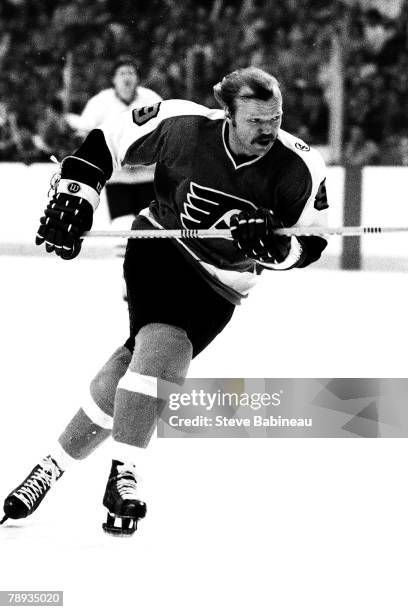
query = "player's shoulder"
x=302 y=151
x=186 y=108
x=147 y=92
x=171 y=116
x=181 y=115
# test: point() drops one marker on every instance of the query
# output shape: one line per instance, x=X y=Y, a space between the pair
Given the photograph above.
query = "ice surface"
x=285 y=525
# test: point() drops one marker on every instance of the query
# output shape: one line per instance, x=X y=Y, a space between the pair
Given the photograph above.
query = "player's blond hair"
x=248 y=83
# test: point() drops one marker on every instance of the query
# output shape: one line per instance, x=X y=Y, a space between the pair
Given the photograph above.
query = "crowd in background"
x=184 y=48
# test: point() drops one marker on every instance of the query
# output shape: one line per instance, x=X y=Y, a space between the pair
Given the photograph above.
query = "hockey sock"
x=61 y=458
x=162 y=352
x=127 y=453
x=92 y=424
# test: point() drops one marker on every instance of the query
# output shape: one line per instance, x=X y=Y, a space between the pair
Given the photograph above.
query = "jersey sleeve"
x=302 y=199
x=136 y=135
x=139 y=136
x=149 y=96
x=315 y=213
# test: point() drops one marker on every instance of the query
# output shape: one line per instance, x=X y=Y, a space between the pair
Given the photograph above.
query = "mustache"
x=264 y=139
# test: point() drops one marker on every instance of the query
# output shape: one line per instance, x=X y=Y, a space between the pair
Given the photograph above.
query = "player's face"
x=125 y=82
x=255 y=125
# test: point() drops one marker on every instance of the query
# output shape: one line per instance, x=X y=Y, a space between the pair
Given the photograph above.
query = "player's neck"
x=234 y=146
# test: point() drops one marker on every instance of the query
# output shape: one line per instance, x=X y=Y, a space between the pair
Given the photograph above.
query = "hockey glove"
x=254 y=236
x=65 y=219
x=68 y=216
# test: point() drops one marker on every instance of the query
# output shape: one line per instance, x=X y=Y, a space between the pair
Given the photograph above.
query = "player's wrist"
x=82 y=179
x=294 y=256
x=78 y=189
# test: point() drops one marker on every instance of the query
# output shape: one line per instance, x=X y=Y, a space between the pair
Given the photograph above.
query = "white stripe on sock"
x=97 y=416
x=62 y=458
x=126 y=452
x=139 y=383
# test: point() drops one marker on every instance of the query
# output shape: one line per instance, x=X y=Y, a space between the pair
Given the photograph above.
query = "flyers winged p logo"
x=208 y=208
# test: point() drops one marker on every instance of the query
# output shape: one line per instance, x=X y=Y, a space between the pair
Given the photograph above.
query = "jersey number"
x=320 y=202
x=144 y=114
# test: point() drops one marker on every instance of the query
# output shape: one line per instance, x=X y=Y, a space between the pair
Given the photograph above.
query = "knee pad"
x=103 y=386
x=162 y=352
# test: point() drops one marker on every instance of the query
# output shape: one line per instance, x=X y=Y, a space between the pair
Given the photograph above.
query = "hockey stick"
x=212 y=233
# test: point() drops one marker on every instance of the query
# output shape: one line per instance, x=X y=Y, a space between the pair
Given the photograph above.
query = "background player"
x=215 y=168
x=126 y=193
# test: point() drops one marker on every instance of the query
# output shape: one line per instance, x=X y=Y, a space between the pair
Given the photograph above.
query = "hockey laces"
x=55 y=179
x=41 y=480
x=126 y=484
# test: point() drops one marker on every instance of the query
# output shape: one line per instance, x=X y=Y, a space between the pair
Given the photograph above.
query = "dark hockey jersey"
x=200 y=184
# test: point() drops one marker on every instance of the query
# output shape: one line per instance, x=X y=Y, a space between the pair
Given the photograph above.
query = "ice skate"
x=124 y=509
x=26 y=498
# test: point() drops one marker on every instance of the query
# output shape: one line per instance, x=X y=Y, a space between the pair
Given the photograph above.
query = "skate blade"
x=122 y=527
x=4 y=519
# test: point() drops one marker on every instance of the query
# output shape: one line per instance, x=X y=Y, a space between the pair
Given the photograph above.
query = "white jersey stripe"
x=139 y=383
x=315 y=164
x=241 y=282
x=97 y=416
x=292 y=258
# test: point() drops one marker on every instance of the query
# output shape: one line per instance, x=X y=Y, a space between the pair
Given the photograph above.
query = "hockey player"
x=126 y=195
x=124 y=198
x=126 y=93
x=234 y=168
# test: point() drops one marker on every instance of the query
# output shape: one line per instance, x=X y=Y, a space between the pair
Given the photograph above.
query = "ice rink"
x=233 y=525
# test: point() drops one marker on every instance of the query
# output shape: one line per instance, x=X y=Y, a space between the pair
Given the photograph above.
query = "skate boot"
x=124 y=509
x=26 y=498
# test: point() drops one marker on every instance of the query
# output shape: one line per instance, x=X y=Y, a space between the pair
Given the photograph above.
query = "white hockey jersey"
x=107 y=104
